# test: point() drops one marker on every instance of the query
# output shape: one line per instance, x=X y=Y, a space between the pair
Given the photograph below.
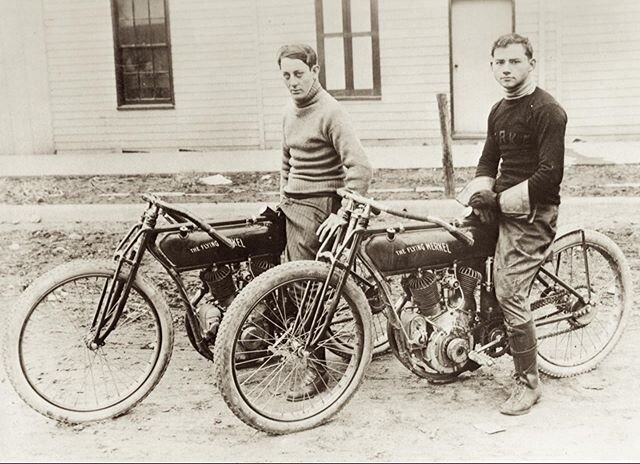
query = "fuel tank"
x=256 y=237
x=429 y=247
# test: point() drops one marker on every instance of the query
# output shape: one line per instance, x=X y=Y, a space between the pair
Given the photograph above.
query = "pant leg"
x=303 y=217
x=522 y=247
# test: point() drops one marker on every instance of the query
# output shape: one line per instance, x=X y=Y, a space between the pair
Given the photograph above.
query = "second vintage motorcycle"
x=433 y=281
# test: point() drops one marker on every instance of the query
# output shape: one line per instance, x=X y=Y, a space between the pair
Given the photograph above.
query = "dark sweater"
x=527 y=135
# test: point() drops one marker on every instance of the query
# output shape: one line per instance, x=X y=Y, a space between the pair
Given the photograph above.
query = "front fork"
x=115 y=292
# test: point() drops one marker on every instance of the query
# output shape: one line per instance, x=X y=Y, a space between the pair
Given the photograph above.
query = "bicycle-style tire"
x=286 y=416
x=579 y=344
x=48 y=360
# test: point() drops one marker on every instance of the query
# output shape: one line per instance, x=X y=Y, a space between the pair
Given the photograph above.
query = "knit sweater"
x=321 y=151
x=527 y=136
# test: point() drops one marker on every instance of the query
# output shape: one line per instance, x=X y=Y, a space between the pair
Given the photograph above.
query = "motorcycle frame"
x=348 y=241
x=130 y=251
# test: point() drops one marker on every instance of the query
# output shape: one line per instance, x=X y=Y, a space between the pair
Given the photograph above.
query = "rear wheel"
x=49 y=358
x=279 y=305
x=573 y=337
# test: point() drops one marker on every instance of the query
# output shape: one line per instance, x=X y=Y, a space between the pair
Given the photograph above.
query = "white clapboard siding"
x=600 y=87
x=228 y=91
x=25 y=117
x=214 y=75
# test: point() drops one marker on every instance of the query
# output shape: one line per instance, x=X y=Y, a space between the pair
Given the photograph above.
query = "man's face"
x=298 y=77
x=511 y=66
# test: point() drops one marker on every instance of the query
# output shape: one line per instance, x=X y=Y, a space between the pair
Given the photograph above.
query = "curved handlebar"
x=453 y=230
x=189 y=216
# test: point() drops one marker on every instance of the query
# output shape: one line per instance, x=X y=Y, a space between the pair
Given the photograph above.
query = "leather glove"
x=484 y=199
x=486 y=215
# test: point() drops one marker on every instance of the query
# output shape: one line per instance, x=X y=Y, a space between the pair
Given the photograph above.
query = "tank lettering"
x=432 y=246
x=215 y=244
x=204 y=246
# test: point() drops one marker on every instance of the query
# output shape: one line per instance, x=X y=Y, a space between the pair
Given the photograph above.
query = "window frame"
x=122 y=104
x=349 y=92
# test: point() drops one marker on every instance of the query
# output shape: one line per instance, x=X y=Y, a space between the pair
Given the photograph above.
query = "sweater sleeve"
x=490 y=158
x=285 y=163
x=358 y=171
x=550 y=123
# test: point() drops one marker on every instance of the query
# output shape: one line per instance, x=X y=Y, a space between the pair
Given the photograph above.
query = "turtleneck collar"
x=311 y=97
x=527 y=87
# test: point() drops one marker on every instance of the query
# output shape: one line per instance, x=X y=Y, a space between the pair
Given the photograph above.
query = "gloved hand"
x=487 y=216
x=485 y=205
x=484 y=199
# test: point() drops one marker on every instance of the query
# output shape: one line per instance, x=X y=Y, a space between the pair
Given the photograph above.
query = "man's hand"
x=485 y=205
x=484 y=199
x=330 y=225
x=487 y=216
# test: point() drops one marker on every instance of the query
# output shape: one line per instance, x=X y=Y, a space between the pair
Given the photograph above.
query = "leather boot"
x=527 y=390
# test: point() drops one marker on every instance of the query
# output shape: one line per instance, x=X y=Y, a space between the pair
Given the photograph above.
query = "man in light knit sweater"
x=320 y=153
x=517 y=183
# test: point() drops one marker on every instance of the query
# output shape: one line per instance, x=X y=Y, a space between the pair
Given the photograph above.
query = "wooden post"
x=445 y=129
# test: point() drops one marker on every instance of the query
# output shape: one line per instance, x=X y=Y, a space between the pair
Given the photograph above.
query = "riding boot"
x=527 y=389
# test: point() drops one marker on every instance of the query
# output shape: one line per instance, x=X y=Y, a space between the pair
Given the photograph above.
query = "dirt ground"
x=395 y=416
x=611 y=180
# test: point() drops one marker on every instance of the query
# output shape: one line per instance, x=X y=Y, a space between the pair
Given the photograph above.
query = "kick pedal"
x=481 y=358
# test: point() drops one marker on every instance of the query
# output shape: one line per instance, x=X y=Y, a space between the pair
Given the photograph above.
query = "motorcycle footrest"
x=481 y=358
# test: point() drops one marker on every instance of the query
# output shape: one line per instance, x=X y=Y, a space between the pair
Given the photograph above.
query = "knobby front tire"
x=258 y=390
x=46 y=353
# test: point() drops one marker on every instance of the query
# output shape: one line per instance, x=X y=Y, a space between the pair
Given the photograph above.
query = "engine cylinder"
x=258 y=266
x=468 y=279
x=425 y=294
x=220 y=282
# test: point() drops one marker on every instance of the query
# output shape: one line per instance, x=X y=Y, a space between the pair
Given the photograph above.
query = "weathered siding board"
x=601 y=88
x=214 y=80
x=25 y=121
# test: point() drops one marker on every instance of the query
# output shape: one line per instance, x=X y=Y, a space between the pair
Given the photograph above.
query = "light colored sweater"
x=321 y=151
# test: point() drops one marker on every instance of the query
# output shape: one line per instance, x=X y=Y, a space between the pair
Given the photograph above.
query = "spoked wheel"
x=51 y=362
x=342 y=333
x=574 y=337
x=377 y=304
x=287 y=386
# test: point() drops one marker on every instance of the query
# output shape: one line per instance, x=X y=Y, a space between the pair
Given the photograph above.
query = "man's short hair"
x=298 y=52
x=507 y=39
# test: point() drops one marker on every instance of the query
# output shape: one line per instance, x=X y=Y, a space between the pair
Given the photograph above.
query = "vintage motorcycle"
x=444 y=321
x=90 y=339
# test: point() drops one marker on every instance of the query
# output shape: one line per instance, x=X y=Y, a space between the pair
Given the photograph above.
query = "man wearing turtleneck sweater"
x=517 y=184
x=320 y=153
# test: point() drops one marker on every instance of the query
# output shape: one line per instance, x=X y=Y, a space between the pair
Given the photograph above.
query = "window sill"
x=358 y=97
x=147 y=106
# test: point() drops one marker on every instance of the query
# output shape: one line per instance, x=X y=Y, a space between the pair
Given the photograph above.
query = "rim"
x=591 y=328
x=61 y=368
x=271 y=366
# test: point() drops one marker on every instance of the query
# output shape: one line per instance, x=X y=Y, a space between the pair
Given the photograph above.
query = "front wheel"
x=573 y=337
x=49 y=358
x=286 y=385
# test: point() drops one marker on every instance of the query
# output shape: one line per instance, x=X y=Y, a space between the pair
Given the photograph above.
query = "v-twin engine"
x=439 y=321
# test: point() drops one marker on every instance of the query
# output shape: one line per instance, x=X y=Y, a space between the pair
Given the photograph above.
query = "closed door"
x=475 y=25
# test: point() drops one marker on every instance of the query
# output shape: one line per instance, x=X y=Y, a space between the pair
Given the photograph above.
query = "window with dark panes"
x=349 y=47
x=143 y=52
